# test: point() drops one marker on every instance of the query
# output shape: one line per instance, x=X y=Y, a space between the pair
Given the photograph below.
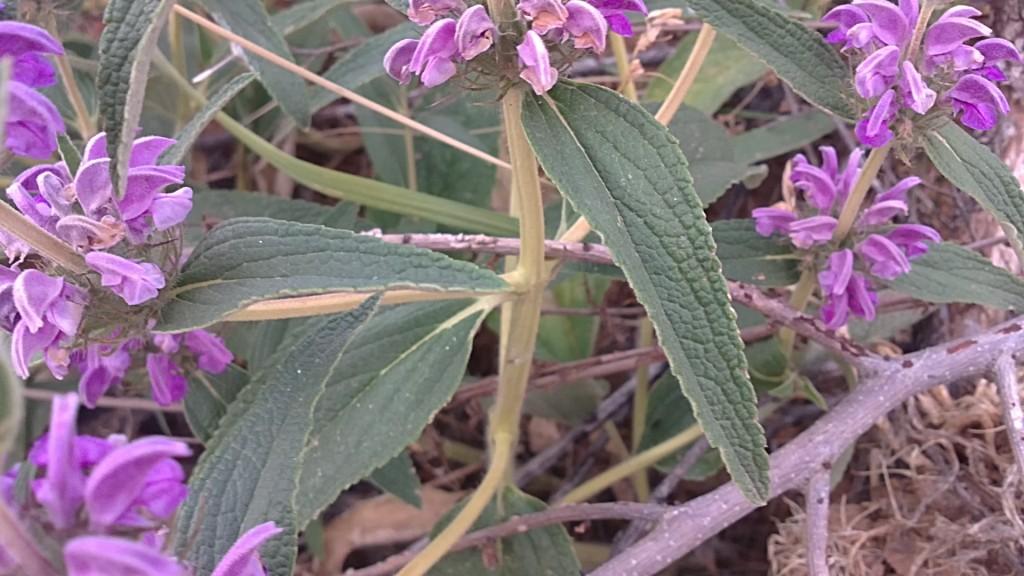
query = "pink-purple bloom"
x=535 y=63
x=543 y=15
x=876 y=249
x=43 y=313
x=615 y=11
x=956 y=64
x=434 y=58
x=135 y=282
x=32 y=122
x=474 y=32
x=424 y=12
x=105 y=502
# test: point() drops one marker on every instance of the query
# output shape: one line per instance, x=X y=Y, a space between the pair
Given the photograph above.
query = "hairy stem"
x=40 y=240
x=626 y=84
x=798 y=301
x=408 y=139
x=860 y=190
x=520 y=321
x=86 y=127
x=21 y=546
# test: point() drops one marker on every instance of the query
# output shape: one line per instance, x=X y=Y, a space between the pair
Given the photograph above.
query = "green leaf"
x=544 y=551
x=782 y=136
x=709 y=153
x=249 y=471
x=951 y=273
x=396 y=374
x=249 y=19
x=69 y=153
x=247 y=260
x=127 y=46
x=300 y=15
x=363 y=64
x=973 y=168
x=209 y=396
x=625 y=173
x=12 y=402
x=398 y=477
x=727 y=68
x=749 y=257
x=191 y=131
x=211 y=207
x=798 y=54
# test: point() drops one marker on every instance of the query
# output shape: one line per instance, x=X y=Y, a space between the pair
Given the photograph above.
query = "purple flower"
x=48 y=313
x=115 y=488
x=102 y=366
x=211 y=354
x=168 y=385
x=876 y=74
x=398 y=59
x=945 y=41
x=768 y=221
x=434 y=57
x=536 y=64
x=135 y=282
x=107 y=555
x=33 y=122
x=845 y=291
x=474 y=32
x=845 y=17
x=61 y=490
x=810 y=231
x=614 y=12
x=586 y=25
x=817 y=184
x=918 y=96
x=874 y=130
x=243 y=558
x=424 y=12
x=995 y=50
x=978 y=102
x=913 y=238
x=884 y=258
x=543 y=15
x=887 y=23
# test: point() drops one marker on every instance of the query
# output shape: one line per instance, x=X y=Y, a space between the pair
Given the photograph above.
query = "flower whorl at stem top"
x=459 y=36
x=32 y=122
x=875 y=249
x=105 y=502
x=946 y=70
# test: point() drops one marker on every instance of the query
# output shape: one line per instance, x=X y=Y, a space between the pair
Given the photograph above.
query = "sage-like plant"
x=345 y=341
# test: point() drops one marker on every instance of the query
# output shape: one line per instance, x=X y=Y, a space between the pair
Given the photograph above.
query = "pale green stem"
x=798 y=301
x=640 y=401
x=860 y=191
x=622 y=60
x=67 y=75
x=21 y=546
x=520 y=320
x=410 y=145
x=927 y=8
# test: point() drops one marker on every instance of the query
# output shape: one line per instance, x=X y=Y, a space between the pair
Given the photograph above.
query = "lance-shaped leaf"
x=798 y=54
x=247 y=260
x=211 y=207
x=544 y=551
x=362 y=64
x=189 y=132
x=397 y=373
x=951 y=273
x=249 y=471
x=782 y=136
x=209 y=396
x=973 y=168
x=626 y=174
x=749 y=257
x=302 y=14
x=249 y=19
x=398 y=476
x=127 y=46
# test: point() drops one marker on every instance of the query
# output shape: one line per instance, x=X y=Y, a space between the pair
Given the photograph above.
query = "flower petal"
x=242 y=559
x=109 y=555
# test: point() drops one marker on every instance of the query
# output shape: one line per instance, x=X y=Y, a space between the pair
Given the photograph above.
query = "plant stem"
x=86 y=127
x=175 y=32
x=20 y=546
x=410 y=145
x=40 y=240
x=927 y=8
x=705 y=38
x=798 y=301
x=336 y=88
x=638 y=462
x=640 y=401
x=520 y=321
x=626 y=84
x=860 y=190
x=579 y=230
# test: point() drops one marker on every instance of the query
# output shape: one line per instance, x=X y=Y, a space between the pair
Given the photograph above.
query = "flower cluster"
x=106 y=502
x=33 y=122
x=952 y=67
x=457 y=34
x=875 y=248
x=121 y=240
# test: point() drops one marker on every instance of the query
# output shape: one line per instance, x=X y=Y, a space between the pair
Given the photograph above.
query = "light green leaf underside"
x=798 y=55
x=191 y=131
x=127 y=45
x=951 y=273
x=541 y=552
x=399 y=371
x=247 y=260
x=249 y=19
x=973 y=168
x=625 y=173
x=398 y=477
x=249 y=471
